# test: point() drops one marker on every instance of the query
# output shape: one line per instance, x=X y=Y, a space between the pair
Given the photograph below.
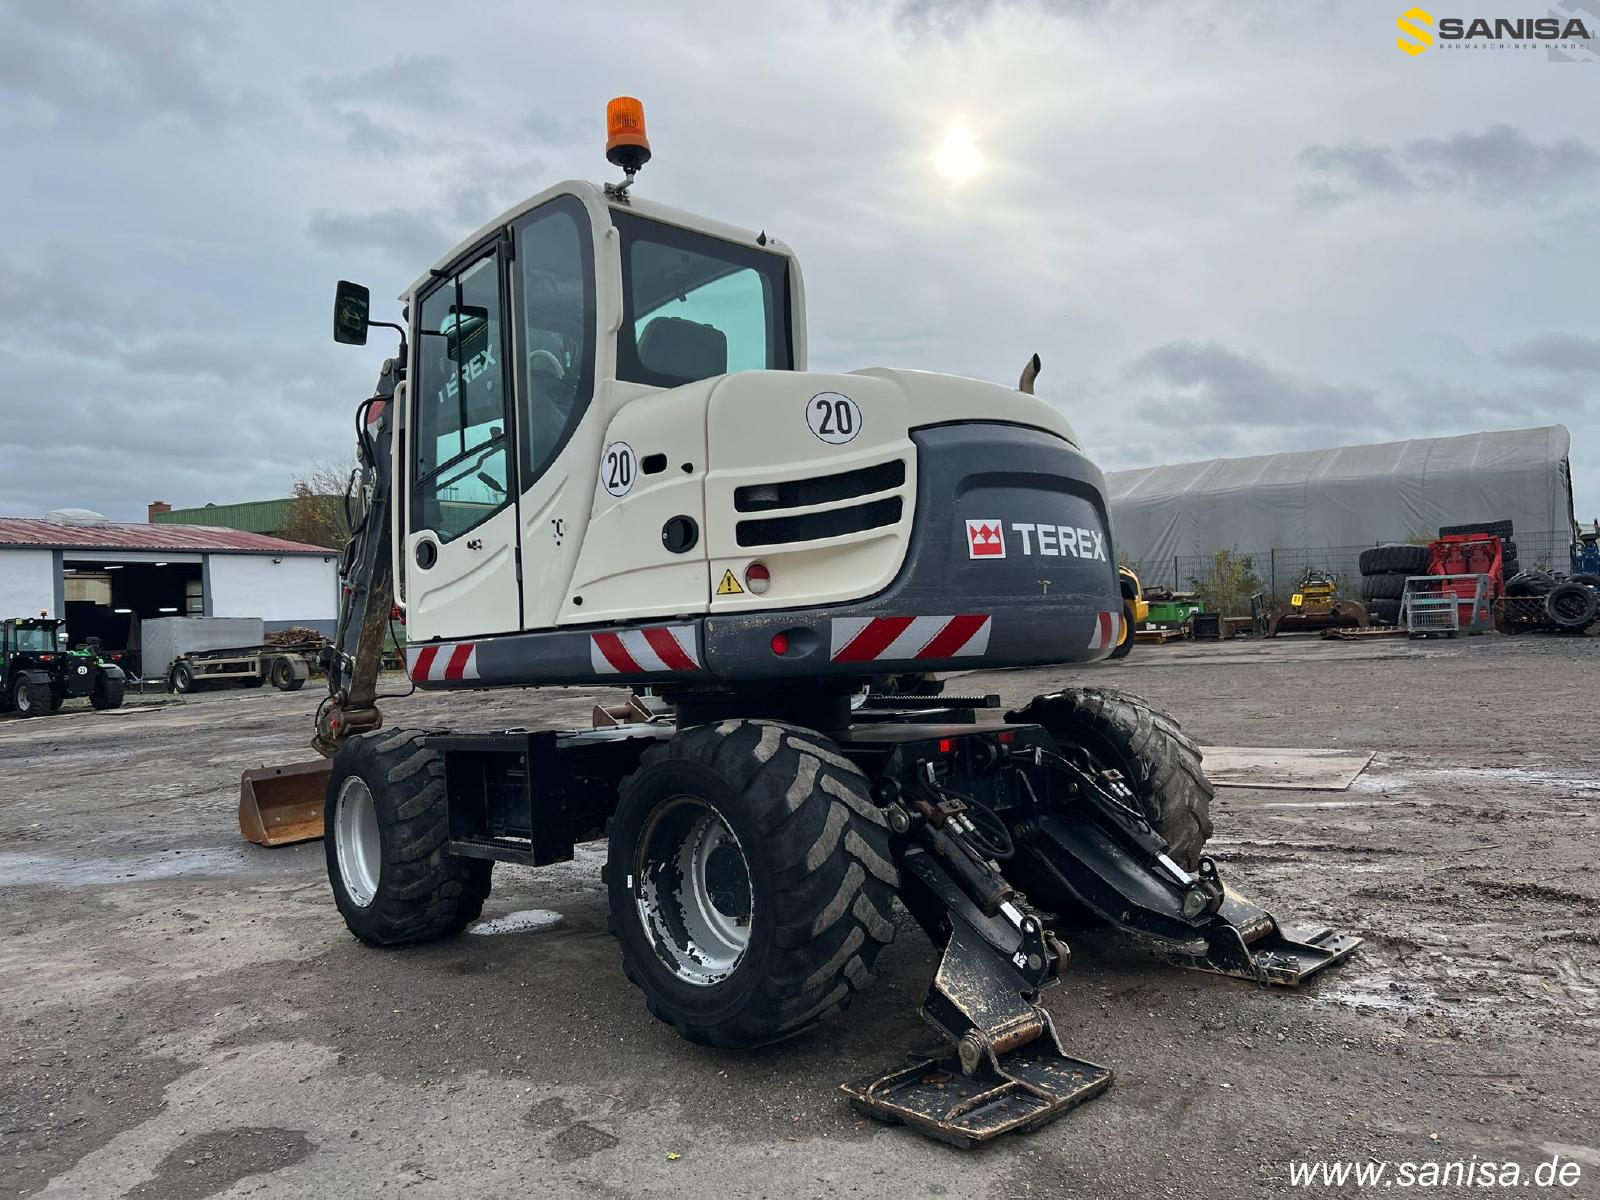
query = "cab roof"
x=600 y=206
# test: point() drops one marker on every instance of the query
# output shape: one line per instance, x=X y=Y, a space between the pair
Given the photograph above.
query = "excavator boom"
x=282 y=804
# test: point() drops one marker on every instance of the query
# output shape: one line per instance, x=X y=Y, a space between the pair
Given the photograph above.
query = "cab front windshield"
x=698 y=306
x=33 y=638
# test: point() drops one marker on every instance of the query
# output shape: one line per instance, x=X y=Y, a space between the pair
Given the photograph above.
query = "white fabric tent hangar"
x=1349 y=496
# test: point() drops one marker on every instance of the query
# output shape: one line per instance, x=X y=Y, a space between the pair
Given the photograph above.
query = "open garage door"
x=106 y=598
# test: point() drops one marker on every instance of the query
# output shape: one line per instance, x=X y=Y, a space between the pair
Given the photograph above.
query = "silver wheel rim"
x=357 y=842
x=691 y=886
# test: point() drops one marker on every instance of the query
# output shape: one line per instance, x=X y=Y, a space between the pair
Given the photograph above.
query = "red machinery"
x=1469 y=554
x=1455 y=560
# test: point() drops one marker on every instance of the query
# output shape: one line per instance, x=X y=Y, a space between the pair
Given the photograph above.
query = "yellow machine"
x=1315 y=604
x=1135 y=609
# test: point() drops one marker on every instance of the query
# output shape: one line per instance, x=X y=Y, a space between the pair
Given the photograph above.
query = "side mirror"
x=351 y=304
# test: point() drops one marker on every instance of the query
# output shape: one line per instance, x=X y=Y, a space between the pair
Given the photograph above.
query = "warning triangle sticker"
x=729 y=585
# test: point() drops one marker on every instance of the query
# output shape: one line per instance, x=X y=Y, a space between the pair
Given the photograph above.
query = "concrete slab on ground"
x=1262 y=767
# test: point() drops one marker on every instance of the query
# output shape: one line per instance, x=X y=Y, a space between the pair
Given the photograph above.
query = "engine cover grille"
x=820 y=489
x=806 y=527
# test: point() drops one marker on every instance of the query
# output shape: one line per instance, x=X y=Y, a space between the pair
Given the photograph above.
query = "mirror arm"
x=400 y=329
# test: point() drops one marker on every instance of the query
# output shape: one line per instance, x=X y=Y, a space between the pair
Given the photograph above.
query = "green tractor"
x=38 y=673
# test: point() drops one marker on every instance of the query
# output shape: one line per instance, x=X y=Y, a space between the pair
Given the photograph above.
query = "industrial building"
x=104 y=576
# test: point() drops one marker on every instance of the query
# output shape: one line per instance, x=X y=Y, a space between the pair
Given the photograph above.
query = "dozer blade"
x=280 y=805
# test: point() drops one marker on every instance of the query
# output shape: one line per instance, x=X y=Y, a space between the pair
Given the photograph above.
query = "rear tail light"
x=780 y=644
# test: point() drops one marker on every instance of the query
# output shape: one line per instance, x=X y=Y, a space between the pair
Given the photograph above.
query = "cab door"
x=461 y=541
x=556 y=340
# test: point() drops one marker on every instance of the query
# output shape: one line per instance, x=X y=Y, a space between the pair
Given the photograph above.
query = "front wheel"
x=107 y=693
x=392 y=877
x=30 y=699
x=750 y=881
x=183 y=681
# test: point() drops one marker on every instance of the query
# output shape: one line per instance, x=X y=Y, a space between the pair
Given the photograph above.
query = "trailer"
x=286 y=666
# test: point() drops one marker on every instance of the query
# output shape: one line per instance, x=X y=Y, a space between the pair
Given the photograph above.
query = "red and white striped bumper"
x=644 y=651
x=1107 y=628
x=869 y=639
x=439 y=662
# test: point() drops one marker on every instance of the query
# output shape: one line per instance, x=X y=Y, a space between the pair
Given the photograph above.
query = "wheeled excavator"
x=599 y=459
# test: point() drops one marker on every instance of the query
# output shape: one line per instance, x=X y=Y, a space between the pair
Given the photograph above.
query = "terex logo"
x=986 y=539
x=1417 y=36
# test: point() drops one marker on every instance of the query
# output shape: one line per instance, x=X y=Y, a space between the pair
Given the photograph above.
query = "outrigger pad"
x=1282 y=957
x=1036 y=1083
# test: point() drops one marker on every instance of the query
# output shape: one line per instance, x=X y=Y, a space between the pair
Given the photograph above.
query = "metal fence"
x=1276 y=571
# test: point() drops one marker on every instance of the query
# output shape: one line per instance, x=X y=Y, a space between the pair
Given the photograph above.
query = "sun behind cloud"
x=958 y=157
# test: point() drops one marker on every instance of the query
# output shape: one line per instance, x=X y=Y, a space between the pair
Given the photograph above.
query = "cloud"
x=374 y=138
x=1501 y=163
x=1212 y=384
x=1360 y=166
x=97 y=69
x=954 y=17
x=1559 y=352
x=408 y=237
x=425 y=82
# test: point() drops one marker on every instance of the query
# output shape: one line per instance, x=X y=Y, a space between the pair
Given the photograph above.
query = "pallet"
x=1156 y=637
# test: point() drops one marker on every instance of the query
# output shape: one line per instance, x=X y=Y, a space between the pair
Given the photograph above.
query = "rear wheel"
x=392 y=878
x=183 y=681
x=750 y=881
x=284 y=677
x=107 y=692
x=1159 y=763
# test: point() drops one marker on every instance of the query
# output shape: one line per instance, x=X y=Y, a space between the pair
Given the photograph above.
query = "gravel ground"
x=184 y=1015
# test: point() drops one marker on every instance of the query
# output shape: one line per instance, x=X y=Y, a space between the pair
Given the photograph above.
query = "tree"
x=1227 y=588
x=316 y=514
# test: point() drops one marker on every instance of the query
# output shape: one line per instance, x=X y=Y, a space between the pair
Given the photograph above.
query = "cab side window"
x=554 y=279
x=460 y=462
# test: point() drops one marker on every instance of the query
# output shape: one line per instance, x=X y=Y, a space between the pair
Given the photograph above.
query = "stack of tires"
x=1384 y=571
x=1565 y=603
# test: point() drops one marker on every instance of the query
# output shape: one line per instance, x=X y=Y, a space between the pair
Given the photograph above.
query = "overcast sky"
x=1227 y=228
